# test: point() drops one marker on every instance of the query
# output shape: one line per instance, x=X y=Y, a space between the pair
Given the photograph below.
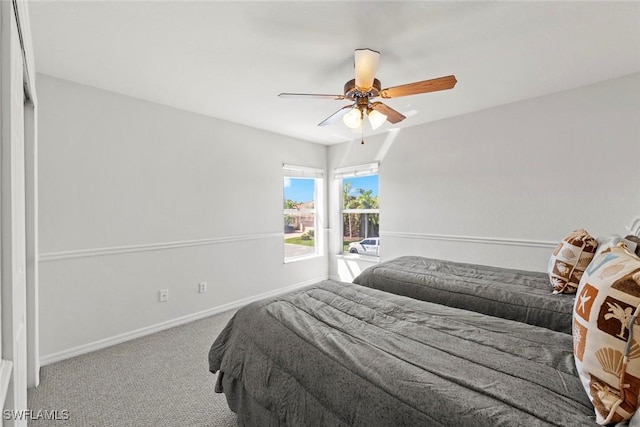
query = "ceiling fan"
x=366 y=87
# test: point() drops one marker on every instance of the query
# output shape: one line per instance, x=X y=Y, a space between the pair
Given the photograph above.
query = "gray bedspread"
x=337 y=354
x=519 y=295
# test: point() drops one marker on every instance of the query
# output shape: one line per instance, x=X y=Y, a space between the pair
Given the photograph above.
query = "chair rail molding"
x=114 y=250
x=472 y=239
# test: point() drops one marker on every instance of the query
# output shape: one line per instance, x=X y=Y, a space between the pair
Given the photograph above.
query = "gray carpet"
x=157 y=380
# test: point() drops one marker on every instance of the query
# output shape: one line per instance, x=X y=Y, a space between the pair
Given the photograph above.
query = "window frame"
x=339 y=175
x=304 y=172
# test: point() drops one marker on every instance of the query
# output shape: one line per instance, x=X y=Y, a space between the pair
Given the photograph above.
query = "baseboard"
x=108 y=342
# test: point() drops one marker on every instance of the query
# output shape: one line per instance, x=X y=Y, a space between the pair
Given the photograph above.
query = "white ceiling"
x=230 y=59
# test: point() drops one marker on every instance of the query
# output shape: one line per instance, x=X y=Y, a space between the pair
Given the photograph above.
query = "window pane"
x=360 y=192
x=299 y=234
x=299 y=193
x=299 y=226
x=359 y=229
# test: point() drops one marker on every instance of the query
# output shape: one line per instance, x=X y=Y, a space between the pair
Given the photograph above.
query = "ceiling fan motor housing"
x=351 y=91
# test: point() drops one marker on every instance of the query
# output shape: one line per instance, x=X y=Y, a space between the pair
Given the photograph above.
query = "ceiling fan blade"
x=336 y=116
x=365 y=63
x=311 y=95
x=392 y=115
x=433 y=85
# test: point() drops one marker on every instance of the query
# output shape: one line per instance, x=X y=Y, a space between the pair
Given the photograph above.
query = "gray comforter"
x=519 y=295
x=337 y=354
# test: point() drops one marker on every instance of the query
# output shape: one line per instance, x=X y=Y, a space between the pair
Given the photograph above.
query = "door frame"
x=19 y=367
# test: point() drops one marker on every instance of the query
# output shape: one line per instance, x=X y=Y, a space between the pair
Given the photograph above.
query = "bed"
x=337 y=354
x=508 y=293
x=425 y=342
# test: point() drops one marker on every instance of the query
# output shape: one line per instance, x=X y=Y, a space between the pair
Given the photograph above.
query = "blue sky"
x=298 y=189
x=301 y=189
x=369 y=182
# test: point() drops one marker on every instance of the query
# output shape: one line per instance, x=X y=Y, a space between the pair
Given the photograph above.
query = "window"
x=302 y=190
x=360 y=209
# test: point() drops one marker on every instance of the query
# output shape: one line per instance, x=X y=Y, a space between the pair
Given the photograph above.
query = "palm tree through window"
x=360 y=215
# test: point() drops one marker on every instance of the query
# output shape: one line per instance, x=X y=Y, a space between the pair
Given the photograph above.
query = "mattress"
x=524 y=296
x=342 y=354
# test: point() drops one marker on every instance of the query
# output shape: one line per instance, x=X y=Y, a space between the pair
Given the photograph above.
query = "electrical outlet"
x=202 y=287
x=164 y=295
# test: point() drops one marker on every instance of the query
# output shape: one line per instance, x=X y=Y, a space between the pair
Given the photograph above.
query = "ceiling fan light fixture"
x=353 y=118
x=376 y=118
x=365 y=63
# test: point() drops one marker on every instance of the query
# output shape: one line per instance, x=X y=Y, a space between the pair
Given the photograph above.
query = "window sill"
x=302 y=258
x=367 y=258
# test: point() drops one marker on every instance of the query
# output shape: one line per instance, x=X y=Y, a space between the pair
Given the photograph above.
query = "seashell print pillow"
x=569 y=259
x=605 y=242
x=636 y=240
x=606 y=335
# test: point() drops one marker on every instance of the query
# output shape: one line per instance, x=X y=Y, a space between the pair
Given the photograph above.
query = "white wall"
x=136 y=197
x=502 y=186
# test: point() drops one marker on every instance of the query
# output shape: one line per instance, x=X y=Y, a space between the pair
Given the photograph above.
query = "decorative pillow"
x=569 y=259
x=605 y=242
x=636 y=240
x=606 y=345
